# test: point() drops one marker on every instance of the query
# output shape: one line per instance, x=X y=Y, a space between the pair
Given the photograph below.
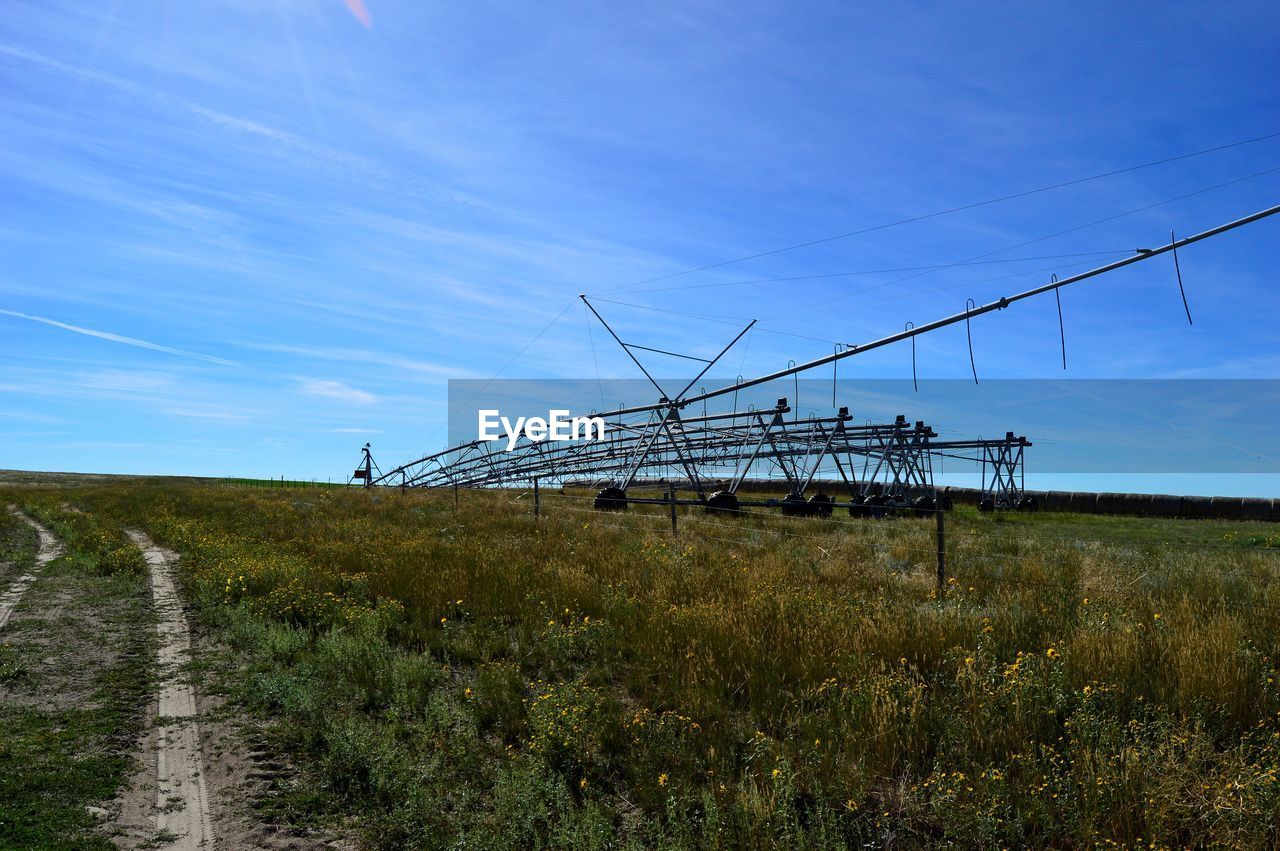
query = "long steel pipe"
x=908 y=333
x=1000 y=304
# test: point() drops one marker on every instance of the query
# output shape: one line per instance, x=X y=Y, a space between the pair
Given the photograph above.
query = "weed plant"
x=466 y=677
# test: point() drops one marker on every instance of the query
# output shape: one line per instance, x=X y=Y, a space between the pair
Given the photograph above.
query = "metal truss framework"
x=714 y=456
x=878 y=465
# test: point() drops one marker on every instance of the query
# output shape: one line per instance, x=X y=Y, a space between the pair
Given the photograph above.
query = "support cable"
x=592 y=337
x=914 y=382
x=969 y=305
x=634 y=359
x=1173 y=244
x=1069 y=230
x=957 y=209
x=1062 y=331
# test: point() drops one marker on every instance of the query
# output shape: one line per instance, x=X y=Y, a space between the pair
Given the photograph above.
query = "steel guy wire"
x=948 y=211
x=494 y=378
x=1056 y=234
x=886 y=271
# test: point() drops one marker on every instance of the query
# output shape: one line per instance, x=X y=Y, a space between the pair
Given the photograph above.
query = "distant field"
x=463 y=676
x=279 y=483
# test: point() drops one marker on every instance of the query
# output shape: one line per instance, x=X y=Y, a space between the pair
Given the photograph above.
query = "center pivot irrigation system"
x=879 y=466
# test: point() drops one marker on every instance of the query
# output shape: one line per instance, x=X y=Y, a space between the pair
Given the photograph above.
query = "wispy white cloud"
x=118 y=338
x=356 y=355
x=136 y=387
x=320 y=156
x=31 y=416
x=329 y=389
x=209 y=414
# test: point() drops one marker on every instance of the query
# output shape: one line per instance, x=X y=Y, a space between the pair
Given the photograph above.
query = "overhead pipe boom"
x=680 y=401
x=999 y=304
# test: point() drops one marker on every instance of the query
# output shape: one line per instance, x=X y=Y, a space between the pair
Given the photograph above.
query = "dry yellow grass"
x=765 y=681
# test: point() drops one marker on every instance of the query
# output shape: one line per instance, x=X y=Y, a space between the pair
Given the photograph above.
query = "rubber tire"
x=723 y=502
x=820 y=505
x=795 y=505
x=611 y=499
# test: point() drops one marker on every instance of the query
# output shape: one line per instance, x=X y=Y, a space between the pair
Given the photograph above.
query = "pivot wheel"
x=611 y=499
x=722 y=502
x=820 y=505
x=795 y=505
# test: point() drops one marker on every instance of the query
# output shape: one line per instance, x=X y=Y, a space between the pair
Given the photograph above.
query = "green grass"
x=53 y=764
x=99 y=544
x=1121 y=529
x=295 y=484
x=463 y=677
x=57 y=759
x=18 y=544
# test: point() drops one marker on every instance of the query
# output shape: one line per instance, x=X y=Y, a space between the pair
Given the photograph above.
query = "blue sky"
x=243 y=237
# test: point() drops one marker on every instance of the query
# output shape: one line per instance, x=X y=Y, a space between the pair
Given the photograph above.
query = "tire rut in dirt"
x=49 y=550
x=181 y=798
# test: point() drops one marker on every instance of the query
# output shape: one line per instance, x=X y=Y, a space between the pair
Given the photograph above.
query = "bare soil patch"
x=16 y=586
x=202 y=768
x=18 y=546
x=76 y=659
x=65 y=634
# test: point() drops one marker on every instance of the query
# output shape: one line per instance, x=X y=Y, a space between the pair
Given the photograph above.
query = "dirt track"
x=49 y=550
x=198 y=769
x=200 y=766
x=181 y=798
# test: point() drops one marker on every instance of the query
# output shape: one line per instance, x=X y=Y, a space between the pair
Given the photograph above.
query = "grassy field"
x=74 y=680
x=17 y=547
x=463 y=677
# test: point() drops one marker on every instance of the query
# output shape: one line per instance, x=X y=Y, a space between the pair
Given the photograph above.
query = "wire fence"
x=957 y=553
x=282 y=482
x=824 y=527
x=924 y=537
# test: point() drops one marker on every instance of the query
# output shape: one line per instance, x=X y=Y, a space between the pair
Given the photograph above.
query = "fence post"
x=455 y=499
x=671 y=498
x=537 y=505
x=942 y=552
